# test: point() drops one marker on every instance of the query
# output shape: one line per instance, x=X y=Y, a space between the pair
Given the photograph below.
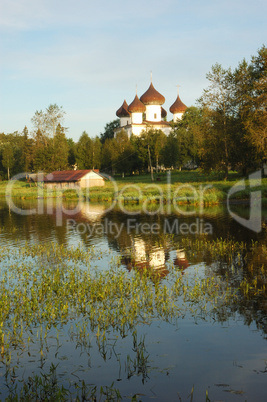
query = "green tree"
x=83 y=151
x=234 y=127
x=109 y=155
x=42 y=152
x=109 y=130
x=46 y=122
x=170 y=151
x=71 y=152
x=8 y=159
x=54 y=116
x=126 y=153
x=151 y=141
x=61 y=149
x=88 y=152
x=217 y=140
x=95 y=153
x=27 y=151
x=253 y=109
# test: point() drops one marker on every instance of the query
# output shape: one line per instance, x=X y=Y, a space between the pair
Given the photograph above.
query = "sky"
x=89 y=56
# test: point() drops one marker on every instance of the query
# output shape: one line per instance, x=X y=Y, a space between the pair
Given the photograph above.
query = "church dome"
x=152 y=97
x=163 y=113
x=178 y=106
x=136 y=106
x=123 y=110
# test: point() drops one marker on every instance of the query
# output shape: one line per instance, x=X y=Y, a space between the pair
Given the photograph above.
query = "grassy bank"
x=184 y=187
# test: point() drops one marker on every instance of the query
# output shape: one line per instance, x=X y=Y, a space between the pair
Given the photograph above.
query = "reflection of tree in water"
x=246 y=273
x=36 y=228
x=243 y=269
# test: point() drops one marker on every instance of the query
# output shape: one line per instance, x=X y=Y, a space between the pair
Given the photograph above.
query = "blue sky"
x=88 y=56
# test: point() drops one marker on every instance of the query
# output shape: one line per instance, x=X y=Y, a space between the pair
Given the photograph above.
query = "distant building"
x=147 y=112
x=74 y=179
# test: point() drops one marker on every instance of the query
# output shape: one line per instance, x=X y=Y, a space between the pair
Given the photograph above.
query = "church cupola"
x=123 y=114
x=163 y=113
x=153 y=101
x=137 y=108
x=178 y=108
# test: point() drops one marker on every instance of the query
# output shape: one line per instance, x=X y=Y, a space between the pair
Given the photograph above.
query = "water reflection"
x=98 y=225
x=157 y=251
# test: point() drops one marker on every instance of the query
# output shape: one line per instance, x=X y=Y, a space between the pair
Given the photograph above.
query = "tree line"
x=226 y=130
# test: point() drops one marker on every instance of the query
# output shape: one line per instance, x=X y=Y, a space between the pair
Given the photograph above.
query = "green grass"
x=45 y=288
x=185 y=187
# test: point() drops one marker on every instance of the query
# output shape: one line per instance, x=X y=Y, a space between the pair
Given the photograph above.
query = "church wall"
x=137 y=118
x=153 y=112
x=137 y=130
x=177 y=116
x=124 y=121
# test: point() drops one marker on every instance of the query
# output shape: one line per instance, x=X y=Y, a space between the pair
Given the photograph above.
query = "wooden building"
x=74 y=179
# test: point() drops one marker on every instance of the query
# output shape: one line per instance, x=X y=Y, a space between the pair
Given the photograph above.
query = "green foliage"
x=182 y=143
x=234 y=127
x=71 y=153
x=119 y=154
x=88 y=152
x=8 y=159
x=46 y=122
x=60 y=158
x=109 y=130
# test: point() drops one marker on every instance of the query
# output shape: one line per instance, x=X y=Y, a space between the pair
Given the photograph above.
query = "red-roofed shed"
x=74 y=179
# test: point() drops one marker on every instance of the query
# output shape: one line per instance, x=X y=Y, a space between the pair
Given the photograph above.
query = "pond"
x=125 y=305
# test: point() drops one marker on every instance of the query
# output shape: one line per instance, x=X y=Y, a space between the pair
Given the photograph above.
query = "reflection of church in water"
x=143 y=254
x=137 y=251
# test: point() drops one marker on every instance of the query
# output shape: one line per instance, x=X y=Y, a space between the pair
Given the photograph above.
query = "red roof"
x=152 y=97
x=67 y=175
x=178 y=106
x=136 y=106
x=123 y=110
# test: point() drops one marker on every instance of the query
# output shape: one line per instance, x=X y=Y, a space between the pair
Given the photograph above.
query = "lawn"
x=185 y=187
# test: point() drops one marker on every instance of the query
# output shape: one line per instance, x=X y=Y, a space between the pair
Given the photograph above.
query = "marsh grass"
x=46 y=288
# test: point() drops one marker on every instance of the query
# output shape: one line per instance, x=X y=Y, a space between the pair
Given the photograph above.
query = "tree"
x=216 y=104
x=109 y=155
x=43 y=152
x=254 y=114
x=126 y=154
x=88 y=152
x=234 y=129
x=27 y=151
x=109 y=130
x=71 y=152
x=157 y=141
x=170 y=151
x=46 y=122
x=183 y=142
x=150 y=141
x=95 y=153
x=54 y=116
x=83 y=150
x=61 y=149
x=8 y=159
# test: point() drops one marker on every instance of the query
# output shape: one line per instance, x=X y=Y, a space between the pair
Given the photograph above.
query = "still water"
x=223 y=356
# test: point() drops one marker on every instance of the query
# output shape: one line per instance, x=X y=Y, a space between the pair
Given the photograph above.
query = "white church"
x=147 y=112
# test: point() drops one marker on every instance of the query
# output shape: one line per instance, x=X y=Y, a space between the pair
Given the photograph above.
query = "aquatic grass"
x=32 y=293
x=44 y=288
